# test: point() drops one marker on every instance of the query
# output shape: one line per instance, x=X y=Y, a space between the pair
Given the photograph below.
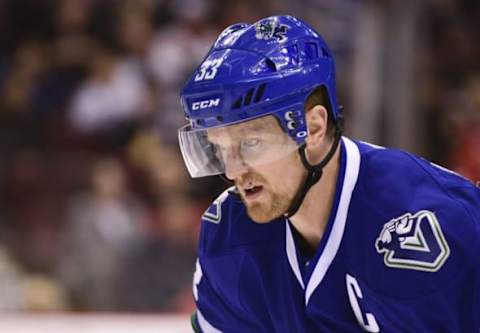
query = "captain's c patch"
x=413 y=241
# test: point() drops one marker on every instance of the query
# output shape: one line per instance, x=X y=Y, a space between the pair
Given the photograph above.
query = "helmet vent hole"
x=259 y=94
x=325 y=53
x=248 y=97
x=270 y=64
x=238 y=103
x=311 y=51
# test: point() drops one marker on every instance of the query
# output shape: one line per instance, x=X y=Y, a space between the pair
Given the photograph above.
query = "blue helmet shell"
x=266 y=68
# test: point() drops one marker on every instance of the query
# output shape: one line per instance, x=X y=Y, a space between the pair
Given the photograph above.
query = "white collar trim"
x=334 y=239
x=292 y=255
x=352 y=169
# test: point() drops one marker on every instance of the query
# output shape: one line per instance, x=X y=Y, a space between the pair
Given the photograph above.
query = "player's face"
x=264 y=164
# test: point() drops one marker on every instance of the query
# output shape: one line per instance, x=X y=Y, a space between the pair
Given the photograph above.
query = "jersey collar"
x=334 y=231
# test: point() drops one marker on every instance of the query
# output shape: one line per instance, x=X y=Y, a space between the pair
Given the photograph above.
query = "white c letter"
x=355 y=292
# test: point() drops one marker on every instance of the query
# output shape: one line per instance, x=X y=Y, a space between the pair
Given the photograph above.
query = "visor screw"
x=289 y=115
x=292 y=125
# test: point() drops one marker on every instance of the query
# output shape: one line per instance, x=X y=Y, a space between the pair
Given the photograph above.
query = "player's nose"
x=235 y=166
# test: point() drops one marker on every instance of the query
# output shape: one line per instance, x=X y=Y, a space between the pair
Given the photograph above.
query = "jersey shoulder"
x=423 y=222
x=230 y=246
x=404 y=180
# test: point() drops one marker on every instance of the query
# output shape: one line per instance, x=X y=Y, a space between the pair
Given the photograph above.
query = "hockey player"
x=319 y=233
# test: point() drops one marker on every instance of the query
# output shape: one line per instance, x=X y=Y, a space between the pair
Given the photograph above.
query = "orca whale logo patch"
x=413 y=241
x=271 y=29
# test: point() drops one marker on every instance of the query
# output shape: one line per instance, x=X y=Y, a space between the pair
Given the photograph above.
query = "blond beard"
x=272 y=206
x=275 y=206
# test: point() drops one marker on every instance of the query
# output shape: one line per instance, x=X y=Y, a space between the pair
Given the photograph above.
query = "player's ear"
x=317 y=120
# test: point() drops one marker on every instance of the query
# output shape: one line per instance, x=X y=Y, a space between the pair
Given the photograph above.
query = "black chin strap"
x=315 y=172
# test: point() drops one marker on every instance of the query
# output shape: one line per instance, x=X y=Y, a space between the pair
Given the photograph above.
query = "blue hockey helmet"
x=255 y=70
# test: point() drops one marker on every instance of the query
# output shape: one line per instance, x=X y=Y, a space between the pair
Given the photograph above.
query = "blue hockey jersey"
x=400 y=253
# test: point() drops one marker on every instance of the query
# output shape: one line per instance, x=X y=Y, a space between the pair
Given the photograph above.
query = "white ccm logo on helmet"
x=205 y=104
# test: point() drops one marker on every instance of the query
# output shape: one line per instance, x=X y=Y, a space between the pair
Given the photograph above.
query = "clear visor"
x=225 y=150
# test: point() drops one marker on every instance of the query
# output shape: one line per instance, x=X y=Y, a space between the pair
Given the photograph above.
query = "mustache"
x=250 y=177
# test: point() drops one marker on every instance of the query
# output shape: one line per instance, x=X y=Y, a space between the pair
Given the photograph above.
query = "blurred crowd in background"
x=97 y=212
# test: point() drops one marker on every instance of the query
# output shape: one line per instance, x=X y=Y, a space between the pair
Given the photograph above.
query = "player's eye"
x=250 y=143
x=224 y=152
x=251 y=147
x=217 y=151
